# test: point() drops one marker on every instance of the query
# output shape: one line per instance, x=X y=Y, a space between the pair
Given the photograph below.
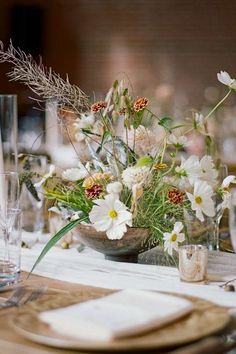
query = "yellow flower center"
x=173 y=238
x=198 y=199
x=160 y=166
x=112 y=214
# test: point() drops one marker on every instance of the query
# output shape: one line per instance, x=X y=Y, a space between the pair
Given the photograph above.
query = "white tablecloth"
x=90 y=268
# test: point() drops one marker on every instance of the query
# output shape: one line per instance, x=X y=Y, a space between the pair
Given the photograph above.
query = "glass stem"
x=6 y=241
x=216 y=245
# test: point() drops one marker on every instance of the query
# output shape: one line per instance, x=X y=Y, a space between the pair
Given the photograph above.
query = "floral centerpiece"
x=139 y=174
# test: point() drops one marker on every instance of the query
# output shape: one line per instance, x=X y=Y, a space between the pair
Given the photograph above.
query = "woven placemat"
x=205 y=319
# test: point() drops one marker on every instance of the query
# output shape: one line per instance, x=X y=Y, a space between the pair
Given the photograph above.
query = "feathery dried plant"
x=43 y=81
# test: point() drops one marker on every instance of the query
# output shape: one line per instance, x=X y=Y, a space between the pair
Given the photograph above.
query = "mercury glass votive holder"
x=193 y=260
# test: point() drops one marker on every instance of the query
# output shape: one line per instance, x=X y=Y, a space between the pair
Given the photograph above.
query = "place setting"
x=117 y=220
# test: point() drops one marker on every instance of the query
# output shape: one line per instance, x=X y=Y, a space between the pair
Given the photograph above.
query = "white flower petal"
x=181 y=237
x=103 y=225
x=166 y=235
x=199 y=214
x=226 y=182
x=116 y=232
x=190 y=196
x=123 y=216
x=178 y=226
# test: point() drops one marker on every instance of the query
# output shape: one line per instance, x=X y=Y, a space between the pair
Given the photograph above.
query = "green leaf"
x=165 y=122
x=25 y=178
x=178 y=126
x=145 y=160
x=31 y=188
x=55 y=239
x=106 y=135
x=115 y=84
x=87 y=132
x=138 y=119
x=208 y=141
x=125 y=92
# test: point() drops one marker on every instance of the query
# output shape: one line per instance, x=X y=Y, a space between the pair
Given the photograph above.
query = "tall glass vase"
x=205 y=232
x=8 y=136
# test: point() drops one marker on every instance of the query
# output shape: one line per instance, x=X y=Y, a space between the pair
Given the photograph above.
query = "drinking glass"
x=10 y=247
x=8 y=132
x=9 y=192
x=193 y=261
x=32 y=209
x=9 y=227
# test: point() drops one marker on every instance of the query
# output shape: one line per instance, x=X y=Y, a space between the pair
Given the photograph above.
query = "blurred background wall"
x=170 y=50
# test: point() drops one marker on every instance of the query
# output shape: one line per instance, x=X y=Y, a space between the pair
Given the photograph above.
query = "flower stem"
x=218 y=104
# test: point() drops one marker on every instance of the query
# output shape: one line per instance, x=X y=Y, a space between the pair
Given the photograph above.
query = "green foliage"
x=145 y=160
x=26 y=178
x=70 y=194
x=165 y=122
x=57 y=238
x=27 y=175
x=155 y=211
x=138 y=116
x=105 y=137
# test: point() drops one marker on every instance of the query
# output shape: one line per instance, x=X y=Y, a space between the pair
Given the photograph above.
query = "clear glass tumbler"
x=10 y=247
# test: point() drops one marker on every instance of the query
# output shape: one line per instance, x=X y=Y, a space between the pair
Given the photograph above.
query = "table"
x=90 y=268
x=73 y=271
x=10 y=341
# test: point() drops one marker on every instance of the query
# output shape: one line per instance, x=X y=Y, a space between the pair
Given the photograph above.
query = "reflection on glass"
x=232 y=219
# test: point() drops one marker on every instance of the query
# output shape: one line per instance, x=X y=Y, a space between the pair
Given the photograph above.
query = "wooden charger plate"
x=205 y=319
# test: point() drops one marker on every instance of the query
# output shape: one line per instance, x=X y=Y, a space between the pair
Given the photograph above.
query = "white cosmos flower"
x=177 y=140
x=45 y=177
x=189 y=169
x=135 y=175
x=208 y=171
x=173 y=238
x=201 y=200
x=76 y=173
x=110 y=215
x=225 y=79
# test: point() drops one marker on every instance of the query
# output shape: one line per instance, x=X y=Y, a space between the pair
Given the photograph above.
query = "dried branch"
x=43 y=81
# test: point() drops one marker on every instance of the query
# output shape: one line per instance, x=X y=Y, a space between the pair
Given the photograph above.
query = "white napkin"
x=125 y=313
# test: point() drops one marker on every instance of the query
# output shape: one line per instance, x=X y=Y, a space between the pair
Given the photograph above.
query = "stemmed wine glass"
x=9 y=225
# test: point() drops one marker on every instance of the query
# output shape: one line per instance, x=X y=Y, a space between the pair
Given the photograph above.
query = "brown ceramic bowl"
x=127 y=249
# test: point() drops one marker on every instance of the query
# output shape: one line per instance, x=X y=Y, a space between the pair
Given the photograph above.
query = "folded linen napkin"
x=125 y=313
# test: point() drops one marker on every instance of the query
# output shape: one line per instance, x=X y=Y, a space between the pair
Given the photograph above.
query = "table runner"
x=90 y=268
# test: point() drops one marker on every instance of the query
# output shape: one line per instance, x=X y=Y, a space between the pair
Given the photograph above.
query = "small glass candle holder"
x=193 y=261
